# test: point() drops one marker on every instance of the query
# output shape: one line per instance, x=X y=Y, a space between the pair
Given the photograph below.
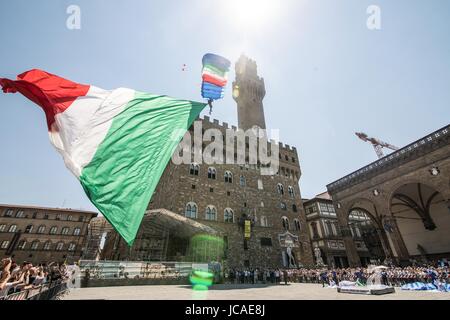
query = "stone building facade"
x=42 y=235
x=223 y=196
x=325 y=233
x=407 y=196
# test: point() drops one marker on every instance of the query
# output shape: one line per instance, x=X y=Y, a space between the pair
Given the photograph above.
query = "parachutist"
x=210 y=105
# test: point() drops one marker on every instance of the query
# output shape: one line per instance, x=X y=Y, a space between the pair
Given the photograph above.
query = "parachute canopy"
x=214 y=75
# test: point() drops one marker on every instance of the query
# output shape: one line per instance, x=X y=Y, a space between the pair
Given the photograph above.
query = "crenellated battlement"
x=225 y=126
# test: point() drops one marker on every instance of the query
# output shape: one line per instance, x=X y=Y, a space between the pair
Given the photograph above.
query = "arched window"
x=294 y=208
x=297 y=225
x=41 y=229
x=58 y=217
x=2 y=227
x=4 y=245
x=280 y=189
x=212 y=173
x=35 y=245
x=291 y=191
x=228 y=215
x=242 y=181
x=194 y=169
x=211 y=213
x=191 y=210
x=22 y=244
x=76 y=231
x=71 y=247
x=264 y=222
x=69 y=218
x=283 y=206
x=65 y=230
x=53 y=230
x=228 y=177
x=285 y=222
x=29 y=228
x=12 y=228
x=47 y=245
x=59 y=246
x=20 y=214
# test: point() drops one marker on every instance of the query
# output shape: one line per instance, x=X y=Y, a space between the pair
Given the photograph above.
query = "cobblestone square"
x=294 y=291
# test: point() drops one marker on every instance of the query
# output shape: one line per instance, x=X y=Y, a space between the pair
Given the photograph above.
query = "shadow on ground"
x=238 y=286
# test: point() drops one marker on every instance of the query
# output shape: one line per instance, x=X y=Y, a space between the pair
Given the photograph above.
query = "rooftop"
x=46 y=208
x=412 y=151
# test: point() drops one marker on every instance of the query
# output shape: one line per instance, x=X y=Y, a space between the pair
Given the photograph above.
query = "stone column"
x=350 y=247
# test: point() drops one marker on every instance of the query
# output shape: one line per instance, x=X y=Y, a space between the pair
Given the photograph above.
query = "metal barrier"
x=44 y=292
x=135 y=269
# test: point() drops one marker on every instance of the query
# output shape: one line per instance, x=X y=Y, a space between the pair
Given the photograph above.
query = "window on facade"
x=2 y=227
x=263 y=221
x=283 y=206
x=228 y=193
x=286 y=157
x=34 y=245
x=4 y=244
x=12 y=228
x=293 y=159
x=46 y=216
x=69 y=218
x=294 y=208
x=291 y=191
x=9 y=213
x=285 y=222
x=58 y=217
x=228 y=177
x=191 y=210
x=65 y=230
x=266 y=242
x=41 y=229
x=280 y=189
x=80 y=218
x=194 y=169
x=29 y=228
x=59 y=246
x=47 y=245
x=34 y=215
x=211 y=189
x=22 y=244
x=76 y=231
x=71 y=247
x=20 y=214
x=260 y=184
x=193 y=186
x=228 y=215
x=53 y=230
x=212 y=173
x=211 y=213
x=296 y=224
x=242 y=181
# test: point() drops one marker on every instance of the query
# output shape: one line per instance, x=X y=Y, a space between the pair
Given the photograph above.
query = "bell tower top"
x=248 y=92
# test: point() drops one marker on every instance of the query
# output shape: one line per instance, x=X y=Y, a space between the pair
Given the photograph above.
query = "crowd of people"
x=19 y=277
x=392 y=275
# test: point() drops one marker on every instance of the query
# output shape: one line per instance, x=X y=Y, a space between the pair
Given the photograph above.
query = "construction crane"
x=377 y=144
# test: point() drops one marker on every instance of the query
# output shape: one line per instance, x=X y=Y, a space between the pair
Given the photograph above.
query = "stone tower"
x=249 y=92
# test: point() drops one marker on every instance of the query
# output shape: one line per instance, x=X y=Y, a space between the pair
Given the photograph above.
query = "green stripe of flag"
x=128 y=164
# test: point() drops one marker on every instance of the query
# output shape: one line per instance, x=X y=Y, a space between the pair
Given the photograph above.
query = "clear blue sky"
x=326 y=75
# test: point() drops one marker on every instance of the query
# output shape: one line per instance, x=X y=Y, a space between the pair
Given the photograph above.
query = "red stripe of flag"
x=54 y=94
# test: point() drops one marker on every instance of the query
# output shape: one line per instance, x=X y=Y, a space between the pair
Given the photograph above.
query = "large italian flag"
x=116 y=142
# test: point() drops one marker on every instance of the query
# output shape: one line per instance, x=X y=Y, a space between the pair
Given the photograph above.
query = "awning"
x=176 y=223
